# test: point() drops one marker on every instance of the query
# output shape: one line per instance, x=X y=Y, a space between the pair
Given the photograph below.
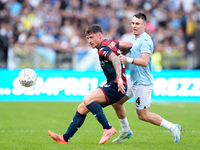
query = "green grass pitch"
x=24 y=126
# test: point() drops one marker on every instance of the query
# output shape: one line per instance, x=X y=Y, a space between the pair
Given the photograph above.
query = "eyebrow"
x=135 y=22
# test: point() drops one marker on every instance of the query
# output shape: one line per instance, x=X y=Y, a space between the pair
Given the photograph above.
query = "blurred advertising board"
x=71 y=85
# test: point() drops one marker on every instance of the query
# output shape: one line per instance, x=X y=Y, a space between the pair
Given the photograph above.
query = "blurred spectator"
x=3 y=51
x=15 y=7
x=52 y=31
x=191 y=28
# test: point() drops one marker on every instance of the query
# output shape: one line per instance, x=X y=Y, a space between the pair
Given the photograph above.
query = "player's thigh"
x=129 y=94
x=112 y=94
x=122 y=101
x=95 y=96
x=142 y=96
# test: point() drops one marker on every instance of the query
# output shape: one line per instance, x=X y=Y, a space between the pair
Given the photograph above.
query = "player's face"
x=94 y=39
x=138 y=26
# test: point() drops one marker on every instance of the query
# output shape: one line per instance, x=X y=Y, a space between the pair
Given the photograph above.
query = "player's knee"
x=142 y=117
x=86 y=100
x=116 y=106
x=82 y=109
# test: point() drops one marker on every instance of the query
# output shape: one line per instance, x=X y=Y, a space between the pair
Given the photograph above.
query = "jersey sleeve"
x=105 y=52
x=146 y=46
x=116 y=43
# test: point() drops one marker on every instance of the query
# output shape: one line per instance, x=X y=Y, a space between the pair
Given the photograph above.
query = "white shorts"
x=141 y=93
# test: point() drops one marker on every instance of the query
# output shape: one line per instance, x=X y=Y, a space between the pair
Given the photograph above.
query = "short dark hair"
x=141 y=15
x=94 y=28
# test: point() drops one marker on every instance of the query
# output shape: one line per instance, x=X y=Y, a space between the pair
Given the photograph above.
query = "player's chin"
x=92 y=45
x=135 y=32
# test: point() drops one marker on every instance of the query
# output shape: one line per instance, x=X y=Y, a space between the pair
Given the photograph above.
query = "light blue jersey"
x=141 y=75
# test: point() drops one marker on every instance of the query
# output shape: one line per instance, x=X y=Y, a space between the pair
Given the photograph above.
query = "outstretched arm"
x=143 y=61
x=124 y=47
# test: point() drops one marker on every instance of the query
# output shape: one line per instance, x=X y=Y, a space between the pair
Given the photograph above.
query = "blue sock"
x=75 y=124
x=98 y=113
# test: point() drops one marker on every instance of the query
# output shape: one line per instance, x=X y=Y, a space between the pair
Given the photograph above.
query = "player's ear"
x=99 y=34
x=144 y=24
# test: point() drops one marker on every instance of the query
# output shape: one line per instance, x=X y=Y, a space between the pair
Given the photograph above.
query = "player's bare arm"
x=124 y=46
x=143 y=61
x=117 y=65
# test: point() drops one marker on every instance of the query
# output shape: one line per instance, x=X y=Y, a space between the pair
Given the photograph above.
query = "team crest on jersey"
x=111 y=45
x=136 y=43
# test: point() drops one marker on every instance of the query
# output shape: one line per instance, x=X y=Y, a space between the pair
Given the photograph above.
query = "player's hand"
x=123 y=59
x=121 y=86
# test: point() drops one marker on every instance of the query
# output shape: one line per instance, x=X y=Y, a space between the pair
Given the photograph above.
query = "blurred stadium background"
x=48 y=36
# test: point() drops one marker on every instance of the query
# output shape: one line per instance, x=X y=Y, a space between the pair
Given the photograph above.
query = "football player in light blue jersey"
x=142 y=45
x=140 y=83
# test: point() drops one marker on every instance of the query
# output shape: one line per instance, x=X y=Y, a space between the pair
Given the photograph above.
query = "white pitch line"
x=19 y=131
x=195 y=131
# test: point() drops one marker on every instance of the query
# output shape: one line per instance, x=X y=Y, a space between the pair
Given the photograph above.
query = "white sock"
x=124 y=124
x=167 y=125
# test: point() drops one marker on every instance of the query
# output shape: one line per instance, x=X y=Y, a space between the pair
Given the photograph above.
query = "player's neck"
x=100 y=43
x=136 y=36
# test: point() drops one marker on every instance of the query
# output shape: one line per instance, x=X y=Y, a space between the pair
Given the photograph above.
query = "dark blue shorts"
x=111 y=92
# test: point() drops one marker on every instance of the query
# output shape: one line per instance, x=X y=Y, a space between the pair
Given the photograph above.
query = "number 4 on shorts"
x=137 y=102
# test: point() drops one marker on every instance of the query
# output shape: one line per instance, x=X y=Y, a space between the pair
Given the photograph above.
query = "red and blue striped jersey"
x=105 y=49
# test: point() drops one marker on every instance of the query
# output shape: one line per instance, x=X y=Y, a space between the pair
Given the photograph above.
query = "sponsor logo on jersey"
x=103 y=62
x=111 y=45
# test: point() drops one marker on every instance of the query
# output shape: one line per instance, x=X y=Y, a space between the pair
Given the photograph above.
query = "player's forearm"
x=124 y=46
x=117 y=65
x=143 y=61
x=138 y=61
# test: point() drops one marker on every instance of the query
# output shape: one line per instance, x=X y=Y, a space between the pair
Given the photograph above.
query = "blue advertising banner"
x=70 y=85
x=177 y=85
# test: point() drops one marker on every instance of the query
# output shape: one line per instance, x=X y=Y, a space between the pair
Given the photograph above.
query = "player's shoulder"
x=103 y=48
x=131 y=39
x=107 y=42
x=146 y=37
x=111 y=44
